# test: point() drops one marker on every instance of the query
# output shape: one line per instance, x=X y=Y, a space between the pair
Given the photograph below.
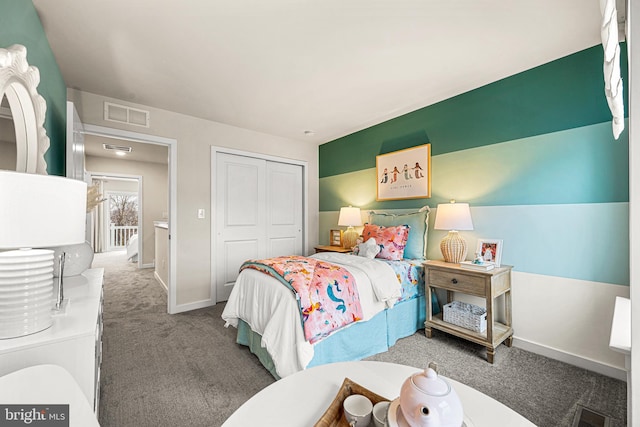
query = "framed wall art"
x=490 y=250
x=336 y=238
x=404 y=174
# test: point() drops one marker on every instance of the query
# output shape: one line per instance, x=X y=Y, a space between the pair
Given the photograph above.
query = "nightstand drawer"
x=466 y=283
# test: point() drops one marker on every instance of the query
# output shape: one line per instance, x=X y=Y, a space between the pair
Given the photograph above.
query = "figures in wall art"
x=385 y=176
x=406 y=174
x=395 y=173
x=418 y=171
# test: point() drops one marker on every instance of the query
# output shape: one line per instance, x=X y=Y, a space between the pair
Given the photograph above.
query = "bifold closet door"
x=284 y=209
x=258 y=214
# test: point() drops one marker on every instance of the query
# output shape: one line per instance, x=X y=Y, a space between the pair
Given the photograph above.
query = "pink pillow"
x=391 y=240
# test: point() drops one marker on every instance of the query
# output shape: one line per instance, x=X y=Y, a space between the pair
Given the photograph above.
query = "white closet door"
x=284 y=209
x=240 y=217
x=258 y=214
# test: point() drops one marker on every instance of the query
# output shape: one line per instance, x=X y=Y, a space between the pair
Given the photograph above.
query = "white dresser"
x=73 y=342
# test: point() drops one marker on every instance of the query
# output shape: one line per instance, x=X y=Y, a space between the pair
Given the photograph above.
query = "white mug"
x=380 y=411
x=357 y=410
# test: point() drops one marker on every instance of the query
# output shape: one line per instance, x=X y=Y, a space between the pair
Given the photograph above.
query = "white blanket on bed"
x=271 y=309
x=132 y=246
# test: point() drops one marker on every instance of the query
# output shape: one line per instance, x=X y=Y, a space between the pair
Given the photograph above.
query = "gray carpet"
x=186 y=370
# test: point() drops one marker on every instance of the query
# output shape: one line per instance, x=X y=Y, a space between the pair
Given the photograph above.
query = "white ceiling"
x=285 y=66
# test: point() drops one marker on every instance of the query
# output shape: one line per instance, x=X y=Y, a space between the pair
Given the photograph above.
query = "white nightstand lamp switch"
x=200 y=213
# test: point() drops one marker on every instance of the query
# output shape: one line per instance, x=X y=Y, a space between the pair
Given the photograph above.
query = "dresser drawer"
x=457 y=281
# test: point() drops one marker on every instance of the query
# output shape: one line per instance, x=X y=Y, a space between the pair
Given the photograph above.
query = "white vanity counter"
x=74 y=341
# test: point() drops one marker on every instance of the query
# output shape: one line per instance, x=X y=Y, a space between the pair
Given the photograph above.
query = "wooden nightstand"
x=485 y=284
x=340 y=249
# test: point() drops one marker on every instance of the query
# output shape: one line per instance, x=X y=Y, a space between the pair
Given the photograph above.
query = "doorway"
x=123 y=221
x=74 y=151
x=116 y=224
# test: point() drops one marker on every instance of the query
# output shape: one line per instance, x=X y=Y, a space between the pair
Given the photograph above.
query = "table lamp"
x=36 y=211
x=350 y=217
x=453 y=217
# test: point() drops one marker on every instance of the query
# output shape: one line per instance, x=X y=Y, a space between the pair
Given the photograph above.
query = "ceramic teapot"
x=426 y=400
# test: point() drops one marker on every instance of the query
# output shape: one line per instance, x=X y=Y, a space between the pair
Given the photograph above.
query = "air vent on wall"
x=124 y=114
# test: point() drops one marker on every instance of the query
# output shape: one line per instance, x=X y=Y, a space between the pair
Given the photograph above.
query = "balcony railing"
x=119 y=235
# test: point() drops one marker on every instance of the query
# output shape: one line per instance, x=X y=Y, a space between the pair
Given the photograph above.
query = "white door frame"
x=214 y=232
x=172 y=145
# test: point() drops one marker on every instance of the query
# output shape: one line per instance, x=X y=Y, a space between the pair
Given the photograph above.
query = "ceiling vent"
x=122 y=148
x=124 y=114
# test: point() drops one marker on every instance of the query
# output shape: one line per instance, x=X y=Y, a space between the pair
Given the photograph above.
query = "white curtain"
x=97 y=223
x=611 y=67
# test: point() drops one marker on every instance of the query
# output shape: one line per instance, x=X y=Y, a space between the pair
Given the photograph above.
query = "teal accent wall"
x=563 y=94
x=580 y=165
x=20 y=24
x=534 y=156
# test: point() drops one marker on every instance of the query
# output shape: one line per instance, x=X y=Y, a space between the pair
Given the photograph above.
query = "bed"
x=267 y=314
x=132 y=248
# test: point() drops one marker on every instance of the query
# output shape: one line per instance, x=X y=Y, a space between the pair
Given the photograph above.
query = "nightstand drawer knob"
x=454 y=281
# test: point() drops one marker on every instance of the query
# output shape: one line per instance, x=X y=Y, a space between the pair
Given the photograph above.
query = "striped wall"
x=534 y=156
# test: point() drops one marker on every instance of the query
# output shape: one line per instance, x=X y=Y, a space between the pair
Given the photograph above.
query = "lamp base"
x=349 y=238
x=62 y=310
x=26 y=291
x=453 y=247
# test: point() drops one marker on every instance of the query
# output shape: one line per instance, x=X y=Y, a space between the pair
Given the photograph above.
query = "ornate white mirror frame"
x=18 y=82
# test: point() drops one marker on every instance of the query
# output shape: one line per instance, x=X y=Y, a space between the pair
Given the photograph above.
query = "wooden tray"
x=334 y=415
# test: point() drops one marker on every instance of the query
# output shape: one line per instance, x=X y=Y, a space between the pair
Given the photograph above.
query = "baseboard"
x=572 y=359
x=152 y=265
x=164 y=285
x=181 y=308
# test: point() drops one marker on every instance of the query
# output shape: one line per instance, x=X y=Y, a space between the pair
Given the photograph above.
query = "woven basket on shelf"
x=466 y=315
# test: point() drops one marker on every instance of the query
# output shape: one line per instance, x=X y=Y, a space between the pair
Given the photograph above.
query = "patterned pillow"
x=417 y=221
x=392 y=240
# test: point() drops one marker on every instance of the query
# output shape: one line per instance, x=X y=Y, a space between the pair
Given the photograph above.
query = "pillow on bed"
x=417 y=221
x=391 y=240
x=368 y=249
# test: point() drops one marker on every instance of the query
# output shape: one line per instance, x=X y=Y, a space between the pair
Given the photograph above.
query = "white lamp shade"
x=39 y=211
x=350 y=217
x=453 y=216
x=36 y=211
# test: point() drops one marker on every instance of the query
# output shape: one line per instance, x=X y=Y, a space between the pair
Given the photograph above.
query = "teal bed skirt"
x=355 y=342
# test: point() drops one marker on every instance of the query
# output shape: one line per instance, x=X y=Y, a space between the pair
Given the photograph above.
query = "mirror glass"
x=7 y=137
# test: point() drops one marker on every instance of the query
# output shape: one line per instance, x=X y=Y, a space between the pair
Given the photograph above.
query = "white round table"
x=47 y=385
x=301 y=399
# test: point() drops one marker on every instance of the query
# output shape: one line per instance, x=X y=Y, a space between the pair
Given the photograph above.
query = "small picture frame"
x=335 y=238
x=490 y=250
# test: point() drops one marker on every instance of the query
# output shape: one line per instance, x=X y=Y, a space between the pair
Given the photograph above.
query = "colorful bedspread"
x=410 y=273
x=326 y=293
